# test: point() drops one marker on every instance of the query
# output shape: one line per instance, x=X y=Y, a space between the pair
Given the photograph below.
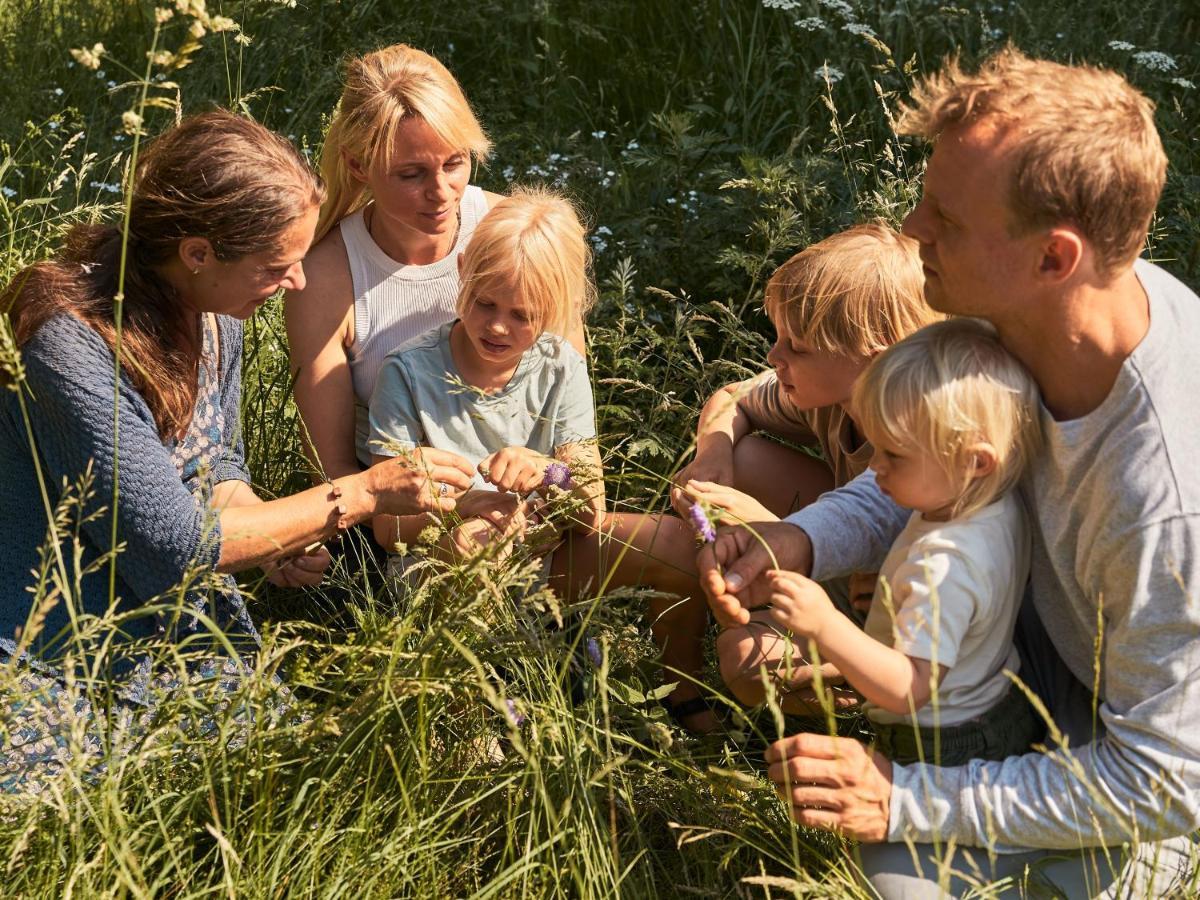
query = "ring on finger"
x=443 y=488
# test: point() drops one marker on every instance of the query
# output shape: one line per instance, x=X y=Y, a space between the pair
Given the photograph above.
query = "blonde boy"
x=834 y=305
x=952 y=419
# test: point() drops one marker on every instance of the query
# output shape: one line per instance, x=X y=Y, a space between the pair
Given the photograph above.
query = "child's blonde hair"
x=535 y=238
x=1084 y=145
x=853 y=294
x=943 y=390
x=382 y=90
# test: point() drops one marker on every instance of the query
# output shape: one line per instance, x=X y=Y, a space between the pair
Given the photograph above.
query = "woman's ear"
x=984 y=459
x=353 y=165
x=195 y=253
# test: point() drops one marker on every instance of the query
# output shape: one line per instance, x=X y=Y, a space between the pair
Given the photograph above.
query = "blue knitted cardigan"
x=166 y=534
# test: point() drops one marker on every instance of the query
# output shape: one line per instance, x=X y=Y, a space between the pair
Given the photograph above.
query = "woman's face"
x=239 y=287
x=418 y=190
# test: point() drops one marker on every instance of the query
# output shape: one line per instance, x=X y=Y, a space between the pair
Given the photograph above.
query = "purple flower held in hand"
x=559 y=475
x=515 y=716
x=704 y=528
x=593 y=650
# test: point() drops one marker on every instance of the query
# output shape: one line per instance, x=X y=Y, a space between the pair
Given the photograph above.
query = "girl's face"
x=417 y=193
x=499 y=324
x=812 y=378
x=914 y=479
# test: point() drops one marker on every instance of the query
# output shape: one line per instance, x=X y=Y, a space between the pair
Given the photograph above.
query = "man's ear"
x=353 y=165
x=195 y=253
x=984 y=459
x=1062 y=250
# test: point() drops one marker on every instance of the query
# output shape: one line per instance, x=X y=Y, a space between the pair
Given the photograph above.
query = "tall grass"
x=473 y=737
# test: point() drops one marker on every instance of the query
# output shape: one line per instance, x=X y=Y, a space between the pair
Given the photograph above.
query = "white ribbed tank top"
x=394 y=302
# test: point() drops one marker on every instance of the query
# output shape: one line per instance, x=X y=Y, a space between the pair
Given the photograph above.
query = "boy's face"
x=914 y=479
x=812 y=378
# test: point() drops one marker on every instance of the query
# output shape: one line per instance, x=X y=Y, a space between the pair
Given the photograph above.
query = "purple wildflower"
x=559 y=475
x=704 y=528
x=593 y=650
x=516 y=718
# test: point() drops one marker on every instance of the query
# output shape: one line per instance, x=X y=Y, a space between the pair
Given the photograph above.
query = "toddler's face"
x=915 y=480
x=499 y=324
x=812 y=378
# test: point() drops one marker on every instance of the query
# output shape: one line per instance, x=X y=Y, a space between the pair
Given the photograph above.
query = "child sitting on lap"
x=499 y=385
x=952 y=418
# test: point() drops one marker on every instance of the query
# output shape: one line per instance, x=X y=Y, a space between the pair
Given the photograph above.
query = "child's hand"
x=799 y=604
x=516 y=469
x=715 y=466
x=730 y=505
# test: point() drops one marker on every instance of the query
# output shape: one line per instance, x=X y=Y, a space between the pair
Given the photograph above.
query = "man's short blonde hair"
x=852 y=294
x=1085 y=146
x=941 y=391
x=534 y=238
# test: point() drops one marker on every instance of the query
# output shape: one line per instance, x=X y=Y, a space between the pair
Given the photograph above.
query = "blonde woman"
x=397 y=160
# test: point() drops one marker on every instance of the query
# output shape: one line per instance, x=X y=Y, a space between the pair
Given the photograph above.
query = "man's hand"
x=730 y=566
x=833 y=783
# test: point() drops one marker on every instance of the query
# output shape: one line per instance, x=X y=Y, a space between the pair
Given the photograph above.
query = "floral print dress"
x=52 y=719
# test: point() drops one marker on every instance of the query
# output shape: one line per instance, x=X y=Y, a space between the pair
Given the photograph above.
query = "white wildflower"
x=812 y=23
x=829 y=73
x=785 y=5
x=58 y=92
x=8 y=192
x=131 y=122
x=1120 y=45
x=89 y=59
x=859 y=28
x=841 y=7
x=604 y=229
x=599 y=135
x=1183 y=83
x=508 y=173
x=52 y=125
x=1154 y=60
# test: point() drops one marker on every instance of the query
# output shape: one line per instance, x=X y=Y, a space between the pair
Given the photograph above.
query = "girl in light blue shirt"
x=500 y=385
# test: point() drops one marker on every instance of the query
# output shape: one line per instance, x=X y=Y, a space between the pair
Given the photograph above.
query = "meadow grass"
x=477 y=737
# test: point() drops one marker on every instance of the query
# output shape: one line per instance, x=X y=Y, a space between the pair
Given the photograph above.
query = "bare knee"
x=740 y=655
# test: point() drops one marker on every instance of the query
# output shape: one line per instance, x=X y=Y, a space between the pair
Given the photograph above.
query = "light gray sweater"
x=1116 y=565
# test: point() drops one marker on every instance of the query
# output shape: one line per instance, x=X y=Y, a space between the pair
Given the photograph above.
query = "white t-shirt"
x=955 y=588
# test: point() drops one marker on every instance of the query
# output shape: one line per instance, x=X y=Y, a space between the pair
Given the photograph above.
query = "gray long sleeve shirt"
x=1116 y=581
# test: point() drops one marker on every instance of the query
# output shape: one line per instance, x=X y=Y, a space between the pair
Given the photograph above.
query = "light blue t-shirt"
x=420 y=400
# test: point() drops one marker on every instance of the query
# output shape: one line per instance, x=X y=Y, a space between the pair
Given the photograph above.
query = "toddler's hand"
x=798 y=604
x=516 y=469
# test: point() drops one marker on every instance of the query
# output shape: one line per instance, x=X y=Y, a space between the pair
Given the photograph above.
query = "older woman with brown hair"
x=119 y=438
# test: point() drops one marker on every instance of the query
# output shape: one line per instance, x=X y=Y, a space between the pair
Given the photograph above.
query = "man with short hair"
x=1037 y=200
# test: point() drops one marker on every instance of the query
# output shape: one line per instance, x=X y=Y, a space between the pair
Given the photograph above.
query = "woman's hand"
x=516 y=469
x=729 y=505
x=712 y=467
x=299 y=571
x=421 y=480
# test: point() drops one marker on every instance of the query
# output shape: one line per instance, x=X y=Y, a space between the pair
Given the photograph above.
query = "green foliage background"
x=705 y=145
